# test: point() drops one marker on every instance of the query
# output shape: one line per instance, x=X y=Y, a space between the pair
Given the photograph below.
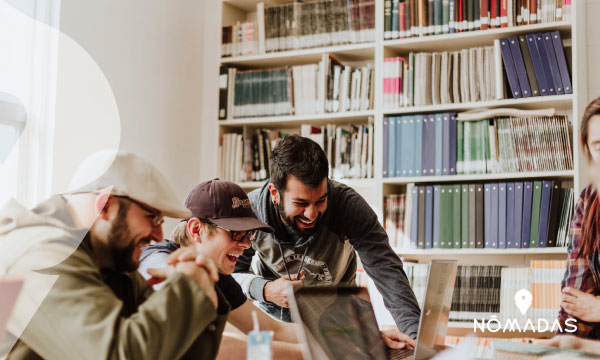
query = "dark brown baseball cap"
x=225 y=204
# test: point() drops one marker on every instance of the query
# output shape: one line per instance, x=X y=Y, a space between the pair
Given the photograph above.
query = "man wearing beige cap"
x=82 y=298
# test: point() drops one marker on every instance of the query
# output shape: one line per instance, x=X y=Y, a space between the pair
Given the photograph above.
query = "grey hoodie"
x=349 y=224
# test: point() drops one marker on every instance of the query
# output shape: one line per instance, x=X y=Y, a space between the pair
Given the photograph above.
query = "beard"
x=122 y=256
x=290 y=221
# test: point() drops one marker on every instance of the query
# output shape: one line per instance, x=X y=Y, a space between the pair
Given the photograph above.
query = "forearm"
x=286 y=332
x=285 y=350
x=233 y=346
x=253 y=286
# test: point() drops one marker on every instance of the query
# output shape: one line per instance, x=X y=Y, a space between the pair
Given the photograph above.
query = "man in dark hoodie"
x=319 y=224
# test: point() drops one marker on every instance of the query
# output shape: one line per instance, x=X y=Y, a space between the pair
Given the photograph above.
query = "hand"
x=198 y=274
x=581 y=305
x=276 y=291
x=191 y=254
x=394 y=339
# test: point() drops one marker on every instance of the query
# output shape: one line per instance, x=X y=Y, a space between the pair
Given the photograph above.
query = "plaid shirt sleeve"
x=578 y=274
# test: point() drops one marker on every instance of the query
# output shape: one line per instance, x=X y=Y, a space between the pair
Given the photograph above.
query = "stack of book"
x=349 y=148
x=536 y=65
x=319 y=88
x=407 y=18
x=467 y=75
x=530 y=214
x=239 y=39
x=481 y=292
x=317 y=23
x=437 y=144
x=349 y=151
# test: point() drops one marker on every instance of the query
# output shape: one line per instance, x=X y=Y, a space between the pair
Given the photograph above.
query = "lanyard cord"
x=301 y=262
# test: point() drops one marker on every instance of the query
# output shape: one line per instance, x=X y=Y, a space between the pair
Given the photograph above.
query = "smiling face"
x=131 y=230
x=301 y=207
x=220 y=246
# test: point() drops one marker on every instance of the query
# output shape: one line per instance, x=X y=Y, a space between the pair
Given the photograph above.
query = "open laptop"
x=339 y=322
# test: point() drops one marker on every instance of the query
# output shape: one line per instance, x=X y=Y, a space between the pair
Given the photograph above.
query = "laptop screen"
x=340 y=323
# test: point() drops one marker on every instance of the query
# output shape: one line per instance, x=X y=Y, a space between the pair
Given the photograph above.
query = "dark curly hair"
x=300 y=157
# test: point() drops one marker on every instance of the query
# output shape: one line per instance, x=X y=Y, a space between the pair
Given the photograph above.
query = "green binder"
x=535 y=214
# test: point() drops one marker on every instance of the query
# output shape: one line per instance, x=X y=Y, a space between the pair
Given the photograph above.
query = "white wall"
x=593 y=51
x=152 y=53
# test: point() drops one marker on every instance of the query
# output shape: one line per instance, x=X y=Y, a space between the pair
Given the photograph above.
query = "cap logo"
x=237 y=202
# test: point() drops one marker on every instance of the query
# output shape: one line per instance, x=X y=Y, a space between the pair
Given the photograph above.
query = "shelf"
x=290 y=120
x=350 y=52
x=250 y=5
x=530 y=103
x=479 y=252
x=470 y=38
x=479 y=177
x=354 y=183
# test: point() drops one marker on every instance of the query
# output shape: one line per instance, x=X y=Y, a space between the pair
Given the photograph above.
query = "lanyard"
x=285 y=265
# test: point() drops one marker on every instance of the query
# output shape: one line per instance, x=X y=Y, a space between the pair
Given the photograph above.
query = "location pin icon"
x=523 y=300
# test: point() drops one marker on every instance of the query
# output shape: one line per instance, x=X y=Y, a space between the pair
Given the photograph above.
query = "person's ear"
x=274 y=193
x=194 y=226
x=103 y=203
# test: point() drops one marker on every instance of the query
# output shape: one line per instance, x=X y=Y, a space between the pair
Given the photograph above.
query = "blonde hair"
x=182 y=236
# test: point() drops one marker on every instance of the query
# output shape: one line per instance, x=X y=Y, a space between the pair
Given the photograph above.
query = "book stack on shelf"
x=467 y=75
x=483 y=292
x=408 y=18
x=349 y=151
x=239 y=39
x=326 y=87
x=530 y=214
x=536 y=65
x=492 y=146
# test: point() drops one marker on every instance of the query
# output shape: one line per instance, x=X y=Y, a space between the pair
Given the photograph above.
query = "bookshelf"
x=375 y=189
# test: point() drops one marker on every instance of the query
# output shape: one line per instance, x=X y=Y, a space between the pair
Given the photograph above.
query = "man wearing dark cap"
x=319 y=226
x=77 y=255
x=221 y=228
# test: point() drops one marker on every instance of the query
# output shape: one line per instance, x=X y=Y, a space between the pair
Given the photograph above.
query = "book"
x=535 y=91
x=428 y=216
x=542 y=240
x=515 y=50
x=502 y=229
x=465 y=216
x=509 y=66
x=518 y=217
x=527 y=216
x=562 y=62
x=535 y=214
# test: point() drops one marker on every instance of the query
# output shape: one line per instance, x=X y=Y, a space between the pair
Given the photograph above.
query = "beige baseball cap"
x=126 y=174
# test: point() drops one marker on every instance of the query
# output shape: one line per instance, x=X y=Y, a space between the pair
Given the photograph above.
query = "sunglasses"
x=155 y=216
x=237 y=236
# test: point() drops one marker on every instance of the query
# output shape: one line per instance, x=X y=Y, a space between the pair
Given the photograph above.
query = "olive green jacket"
x=66 y=310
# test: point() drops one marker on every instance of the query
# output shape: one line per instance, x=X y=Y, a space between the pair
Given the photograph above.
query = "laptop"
x=339 y=322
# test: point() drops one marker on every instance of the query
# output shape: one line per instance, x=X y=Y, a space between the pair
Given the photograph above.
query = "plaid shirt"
x=581 y=274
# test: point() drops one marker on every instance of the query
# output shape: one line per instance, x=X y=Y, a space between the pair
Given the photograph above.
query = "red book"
x=504 y=13
x=402 y=19
x=533 y=11
x=483 y=14
x=493 y=14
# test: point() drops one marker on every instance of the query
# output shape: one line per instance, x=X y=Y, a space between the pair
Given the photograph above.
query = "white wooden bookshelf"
x=573 y=31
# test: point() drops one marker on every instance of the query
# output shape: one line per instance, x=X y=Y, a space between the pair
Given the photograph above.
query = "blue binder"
x=515 y=50
x=519 y=189
x=409 y=149
x=541 y=45
x=401 y=125
x=494 y=221
x=414 y=219
x=553 y=63
x=510 y=215
x=509 y=67
x=386 y=141
x=452 y=150
x=439 y=143
x=562 y=62
x=487 y=216
x=445 y=144
x=526 y=225
x=392 y=147
x=502 y=215
x=418 y=149
x=537 y=65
